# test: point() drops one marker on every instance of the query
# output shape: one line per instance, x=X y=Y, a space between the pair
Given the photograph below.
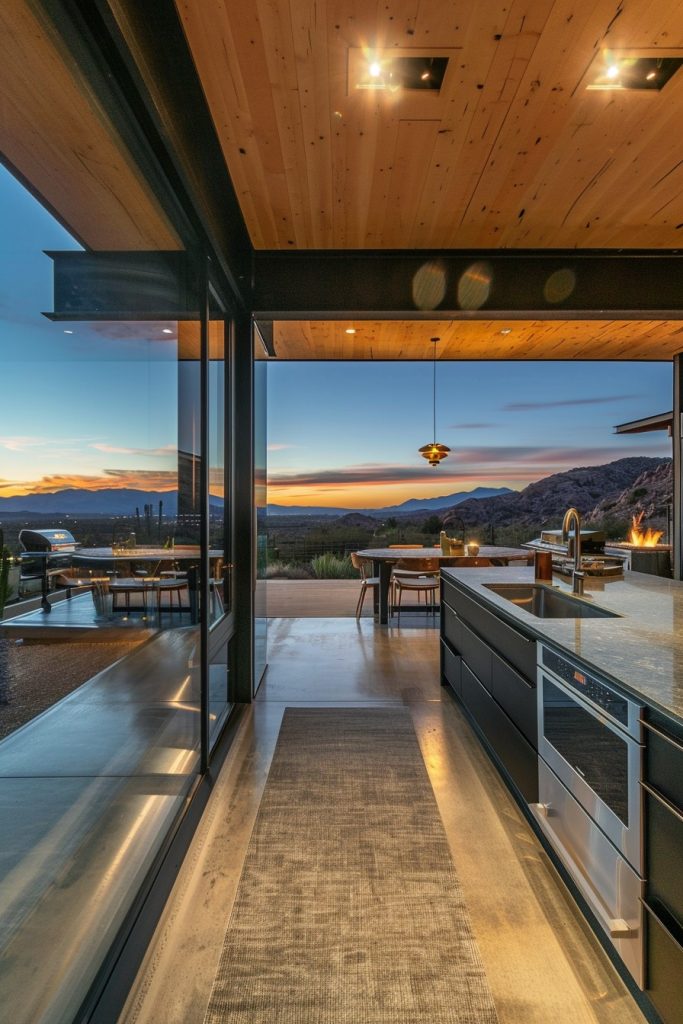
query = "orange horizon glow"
x=146 y=480
x=371 y=494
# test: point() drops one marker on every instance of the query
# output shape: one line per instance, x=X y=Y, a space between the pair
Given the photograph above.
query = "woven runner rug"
x=349 y=910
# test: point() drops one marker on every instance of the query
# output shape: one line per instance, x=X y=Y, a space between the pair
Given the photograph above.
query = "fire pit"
x=643 y=550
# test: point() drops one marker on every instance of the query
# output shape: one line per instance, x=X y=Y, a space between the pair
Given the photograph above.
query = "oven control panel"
x=603 y=696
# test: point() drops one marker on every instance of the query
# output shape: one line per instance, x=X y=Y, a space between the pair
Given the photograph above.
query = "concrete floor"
x=542 y=961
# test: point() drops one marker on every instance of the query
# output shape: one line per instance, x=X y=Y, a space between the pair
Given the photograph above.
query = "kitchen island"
x=580 y=707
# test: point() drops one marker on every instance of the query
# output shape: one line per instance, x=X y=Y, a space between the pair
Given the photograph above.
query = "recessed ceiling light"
x=391 y=71
x=628 y=70
x=68 y=332
x=506 y=330
x=166 y=330
x=350 y=330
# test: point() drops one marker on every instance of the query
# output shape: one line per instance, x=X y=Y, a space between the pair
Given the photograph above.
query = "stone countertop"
x=642 y=651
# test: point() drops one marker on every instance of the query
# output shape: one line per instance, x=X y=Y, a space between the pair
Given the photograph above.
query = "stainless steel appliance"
x=594 y=560
x=590 y=766
x=45 y=554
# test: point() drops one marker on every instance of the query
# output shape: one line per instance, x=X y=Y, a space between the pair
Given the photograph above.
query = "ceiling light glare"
x=166 y=330
x=651 y=75
x=613 y=71
x=506 y=330
x=350 y=330
x=375 y=69
x=68 y=332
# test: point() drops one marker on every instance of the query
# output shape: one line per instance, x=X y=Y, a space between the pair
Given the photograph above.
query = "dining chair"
x=366 y=582
x=416 y=575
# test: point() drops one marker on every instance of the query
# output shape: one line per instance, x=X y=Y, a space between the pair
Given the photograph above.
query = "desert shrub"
x=287 y=571
x=638 y=493
x=331 y=567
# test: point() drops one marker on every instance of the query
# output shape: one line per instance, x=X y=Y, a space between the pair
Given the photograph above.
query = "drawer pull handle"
x=663 y=735
x=663 y=800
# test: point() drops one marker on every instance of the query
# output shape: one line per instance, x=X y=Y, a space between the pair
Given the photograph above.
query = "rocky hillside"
x=588 y=489
x=649 y=493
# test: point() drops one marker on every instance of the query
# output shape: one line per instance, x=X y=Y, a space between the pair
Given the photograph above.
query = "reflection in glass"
x=101 y=440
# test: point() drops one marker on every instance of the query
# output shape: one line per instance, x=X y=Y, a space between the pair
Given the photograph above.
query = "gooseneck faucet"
x=577 y=575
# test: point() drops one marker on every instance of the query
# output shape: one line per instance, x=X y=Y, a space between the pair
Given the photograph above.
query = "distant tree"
x=431 y=525
x=391 y=523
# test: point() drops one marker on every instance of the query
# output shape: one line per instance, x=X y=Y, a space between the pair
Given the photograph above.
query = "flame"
x=649 y=539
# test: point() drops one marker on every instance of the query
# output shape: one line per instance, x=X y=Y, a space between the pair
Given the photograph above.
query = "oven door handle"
x=616 y=927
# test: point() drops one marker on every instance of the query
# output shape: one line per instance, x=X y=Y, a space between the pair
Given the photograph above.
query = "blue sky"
x=348 y=434
x=95 y=405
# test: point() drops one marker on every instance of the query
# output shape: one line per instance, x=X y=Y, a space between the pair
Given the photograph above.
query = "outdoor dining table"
x=384 y=559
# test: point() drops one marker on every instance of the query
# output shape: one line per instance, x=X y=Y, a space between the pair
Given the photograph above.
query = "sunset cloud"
x=142 y=479
x=492 y=465
x=281 y=447
x=560 y=403
x=110 y=449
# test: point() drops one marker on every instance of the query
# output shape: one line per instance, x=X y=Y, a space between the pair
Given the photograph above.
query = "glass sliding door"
x=220 y=596
x=260 y=518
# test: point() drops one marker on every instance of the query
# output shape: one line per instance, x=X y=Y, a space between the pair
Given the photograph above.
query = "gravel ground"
x=41 y=674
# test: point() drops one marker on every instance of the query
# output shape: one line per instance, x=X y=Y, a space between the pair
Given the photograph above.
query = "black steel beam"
x=479 y=284
x=125 y=286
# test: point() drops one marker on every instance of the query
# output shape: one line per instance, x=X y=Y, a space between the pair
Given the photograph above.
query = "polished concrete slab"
x=67 y=875
x=88 y=791
x=542 y=961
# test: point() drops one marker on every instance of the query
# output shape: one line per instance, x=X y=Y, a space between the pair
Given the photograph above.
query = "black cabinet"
x=663 y=804
x=495 y=678
x=517 y=757
x=451 y=664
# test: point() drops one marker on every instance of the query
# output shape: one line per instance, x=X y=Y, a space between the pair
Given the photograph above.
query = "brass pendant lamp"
x=434 y=452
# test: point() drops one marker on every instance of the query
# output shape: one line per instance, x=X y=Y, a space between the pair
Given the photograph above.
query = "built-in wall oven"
x=589 y=794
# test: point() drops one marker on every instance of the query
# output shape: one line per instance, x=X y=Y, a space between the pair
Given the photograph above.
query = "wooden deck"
x=310 y=599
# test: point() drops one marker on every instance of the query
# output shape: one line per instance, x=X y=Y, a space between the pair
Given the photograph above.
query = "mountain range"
x=412 y=505
x=615 y=490
x=112 y=501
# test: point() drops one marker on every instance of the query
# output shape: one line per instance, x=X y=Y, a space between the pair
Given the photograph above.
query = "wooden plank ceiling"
x=513 y=151
x=56 y=135
x=479 y=339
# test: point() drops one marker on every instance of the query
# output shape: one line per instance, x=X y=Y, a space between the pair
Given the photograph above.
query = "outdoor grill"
x=594 y=560
x=45 y=554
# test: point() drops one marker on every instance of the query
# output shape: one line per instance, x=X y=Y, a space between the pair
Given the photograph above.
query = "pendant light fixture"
x=434 y=452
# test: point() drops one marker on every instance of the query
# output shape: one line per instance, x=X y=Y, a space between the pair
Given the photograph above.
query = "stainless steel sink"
x=545 y=603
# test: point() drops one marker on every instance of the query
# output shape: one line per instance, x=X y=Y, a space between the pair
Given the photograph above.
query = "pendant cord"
x=434 y=391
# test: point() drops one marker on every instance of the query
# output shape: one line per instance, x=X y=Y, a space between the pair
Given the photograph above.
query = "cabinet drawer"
x=663 y=854
x=451 y=667
x=517 y=696
x=516 y=755
x=664 y=761
x=450 y=626
x=476 y=654
x=664 y=967
x=515 y=647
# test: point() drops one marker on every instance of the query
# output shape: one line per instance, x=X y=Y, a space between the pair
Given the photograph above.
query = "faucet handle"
x=578 y=578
